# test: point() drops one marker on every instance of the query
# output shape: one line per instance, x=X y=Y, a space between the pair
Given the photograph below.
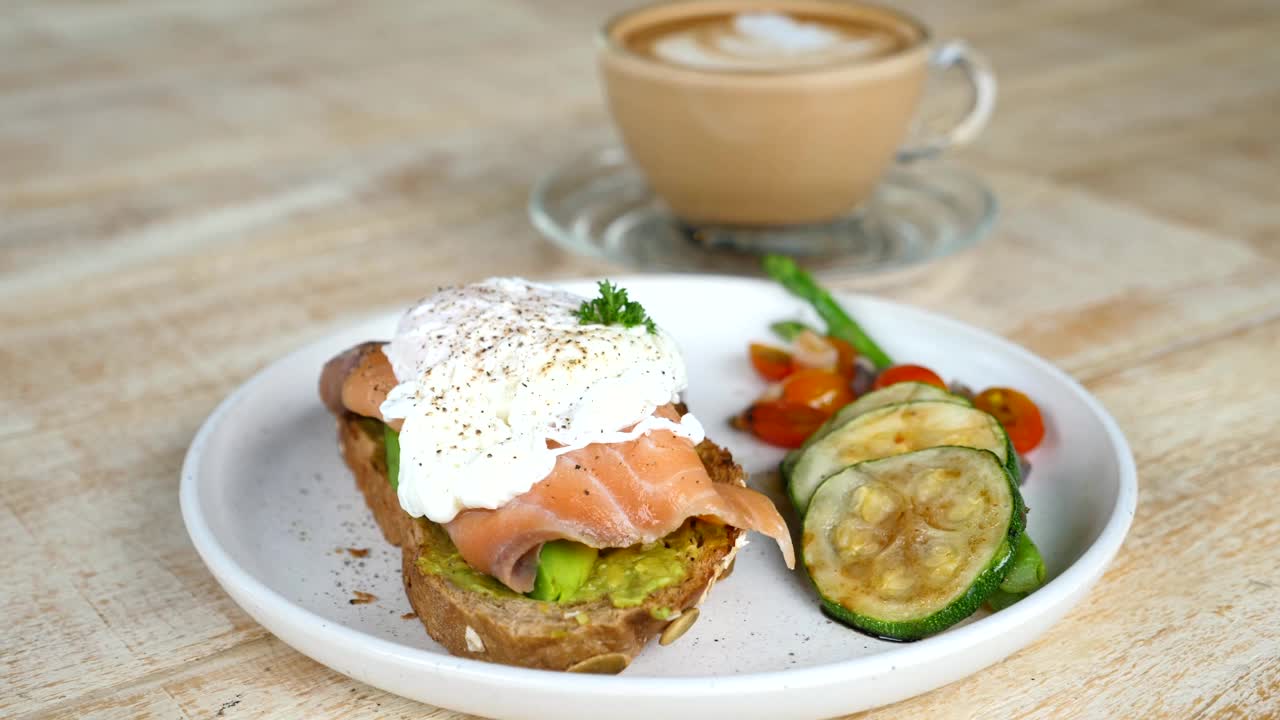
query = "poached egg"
x=498 y=378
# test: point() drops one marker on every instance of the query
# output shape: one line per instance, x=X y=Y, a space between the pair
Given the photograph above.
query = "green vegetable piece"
x=839 y=324
x=1026 y=575
x=1027 y=572
x=613 y=307
x=999 y=599
x=874 y=400
x=907 y=546
x=912 y=426
x=789 y=329
x=391 y=439
x=563 y=566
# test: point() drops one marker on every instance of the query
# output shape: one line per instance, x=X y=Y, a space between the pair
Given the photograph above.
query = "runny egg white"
x=498 y=378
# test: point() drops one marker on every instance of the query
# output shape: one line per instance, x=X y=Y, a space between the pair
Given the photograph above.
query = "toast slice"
x=508 y=628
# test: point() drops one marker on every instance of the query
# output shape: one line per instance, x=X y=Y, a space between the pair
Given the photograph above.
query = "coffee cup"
x=774 y=113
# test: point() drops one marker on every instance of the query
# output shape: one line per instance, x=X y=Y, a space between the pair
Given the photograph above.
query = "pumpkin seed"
x=606 y=664
x=678 y=627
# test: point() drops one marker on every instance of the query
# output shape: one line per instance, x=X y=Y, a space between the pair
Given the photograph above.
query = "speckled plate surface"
x=273 y=512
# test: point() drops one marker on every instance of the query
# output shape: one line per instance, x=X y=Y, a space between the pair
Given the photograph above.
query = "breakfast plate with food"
x=658 y=496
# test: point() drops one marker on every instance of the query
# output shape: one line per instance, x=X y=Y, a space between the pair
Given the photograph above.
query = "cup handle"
x=982 y=81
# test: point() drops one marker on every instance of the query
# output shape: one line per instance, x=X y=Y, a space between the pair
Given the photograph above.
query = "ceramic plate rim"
x=1079 y=574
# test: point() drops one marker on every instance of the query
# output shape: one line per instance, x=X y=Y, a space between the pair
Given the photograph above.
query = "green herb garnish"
x=613 y=307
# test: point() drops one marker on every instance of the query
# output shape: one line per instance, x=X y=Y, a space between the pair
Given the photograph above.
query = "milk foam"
x=762 y=41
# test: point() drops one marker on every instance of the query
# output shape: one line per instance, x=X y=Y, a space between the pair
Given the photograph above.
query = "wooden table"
x=188 y=190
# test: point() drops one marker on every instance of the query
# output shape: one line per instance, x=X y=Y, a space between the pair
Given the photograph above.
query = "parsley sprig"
x=613 y=307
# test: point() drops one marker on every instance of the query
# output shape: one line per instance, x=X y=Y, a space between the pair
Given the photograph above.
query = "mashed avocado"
x=626 y=576
x=629 y=575
x=443 y=559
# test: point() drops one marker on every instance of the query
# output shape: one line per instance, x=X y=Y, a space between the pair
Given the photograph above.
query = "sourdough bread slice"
x=512 y=629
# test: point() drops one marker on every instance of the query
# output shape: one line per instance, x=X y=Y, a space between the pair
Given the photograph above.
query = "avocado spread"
x=629 y=575
x=626 y=576
x=443 y=559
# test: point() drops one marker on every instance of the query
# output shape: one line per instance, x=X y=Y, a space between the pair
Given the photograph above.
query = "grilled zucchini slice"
x=891 y=395
x=909 y=545
x=893 y=430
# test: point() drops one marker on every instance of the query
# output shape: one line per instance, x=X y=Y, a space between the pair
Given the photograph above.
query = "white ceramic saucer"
x=270 y=506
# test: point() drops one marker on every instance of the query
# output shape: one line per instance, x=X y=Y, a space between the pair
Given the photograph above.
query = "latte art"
x=769 y=41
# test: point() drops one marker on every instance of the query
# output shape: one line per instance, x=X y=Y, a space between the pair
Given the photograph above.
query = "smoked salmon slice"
x=605 y=495
x=609 y=496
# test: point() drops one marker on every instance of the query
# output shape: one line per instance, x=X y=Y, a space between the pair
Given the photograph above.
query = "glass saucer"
x=599 y=205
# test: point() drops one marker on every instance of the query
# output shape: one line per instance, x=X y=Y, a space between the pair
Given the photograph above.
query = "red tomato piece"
x=782 y=424
x=771 y=363
x=907 y=373
x=1017 y=413
x=821 y=390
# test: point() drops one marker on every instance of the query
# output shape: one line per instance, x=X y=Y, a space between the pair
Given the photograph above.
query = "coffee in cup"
x=750 y=112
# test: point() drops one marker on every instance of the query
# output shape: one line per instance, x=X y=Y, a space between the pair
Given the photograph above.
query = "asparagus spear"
x=839 y=324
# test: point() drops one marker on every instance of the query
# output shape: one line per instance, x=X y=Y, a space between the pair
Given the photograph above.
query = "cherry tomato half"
x=771 y=363
x=1017 y=413
x=908 y=373
x=821 y=390
x=780 y=423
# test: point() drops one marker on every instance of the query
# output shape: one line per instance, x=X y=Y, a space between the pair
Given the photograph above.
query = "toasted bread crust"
x=517 y=630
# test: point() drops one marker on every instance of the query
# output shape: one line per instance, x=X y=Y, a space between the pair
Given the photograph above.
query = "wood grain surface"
x=189 y=190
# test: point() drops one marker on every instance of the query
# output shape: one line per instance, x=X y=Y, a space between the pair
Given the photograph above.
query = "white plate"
x=267 y=502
